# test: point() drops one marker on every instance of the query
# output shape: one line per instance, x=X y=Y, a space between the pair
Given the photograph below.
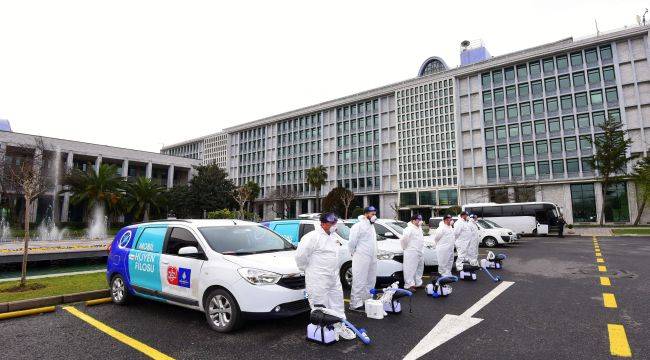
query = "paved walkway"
x=54 y=246
x=592 y=231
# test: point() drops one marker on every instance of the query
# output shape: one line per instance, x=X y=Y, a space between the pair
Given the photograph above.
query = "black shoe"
x=360 y=309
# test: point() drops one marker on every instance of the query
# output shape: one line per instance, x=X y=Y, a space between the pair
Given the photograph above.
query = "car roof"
x=200 y=222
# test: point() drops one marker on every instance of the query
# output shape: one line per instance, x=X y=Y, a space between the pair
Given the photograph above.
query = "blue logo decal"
x=184 y=277
x=124 y=240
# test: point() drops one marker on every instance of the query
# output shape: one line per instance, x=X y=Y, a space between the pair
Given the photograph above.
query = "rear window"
x=244 y=240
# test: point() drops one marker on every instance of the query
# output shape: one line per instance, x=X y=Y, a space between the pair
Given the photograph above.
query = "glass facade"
x=583 y=202
x=617 y=208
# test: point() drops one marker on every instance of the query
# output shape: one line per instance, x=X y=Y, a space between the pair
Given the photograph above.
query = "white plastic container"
x=315 y=334
x=389 y=308
x=374 y=309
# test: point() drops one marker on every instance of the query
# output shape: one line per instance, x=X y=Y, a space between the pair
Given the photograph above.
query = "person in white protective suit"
x=464 y=232
x=444 y=238
x=472 y=249
x=413 y=243
x=317 y=255
x=363 y=248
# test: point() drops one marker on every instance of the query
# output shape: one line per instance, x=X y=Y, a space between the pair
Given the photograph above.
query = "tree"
x=241 y=196
x=210 y=189
x=641 y=178
x=178 y=201
x=254 y=192
x=102 y=188
x=283 y=196
x=143 y=196
x=338 y=201
x=611 y=158
x=316 y=177
x=26 y=174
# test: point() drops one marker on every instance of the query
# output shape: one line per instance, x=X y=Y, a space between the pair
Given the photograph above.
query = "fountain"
x=98 y=224
x=5 y=230
x=48 y=230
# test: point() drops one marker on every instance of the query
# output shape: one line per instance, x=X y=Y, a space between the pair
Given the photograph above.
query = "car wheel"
x=346 y=275
x=490 y=242
x=534 y=232
x=119 y=293
x=222 y=311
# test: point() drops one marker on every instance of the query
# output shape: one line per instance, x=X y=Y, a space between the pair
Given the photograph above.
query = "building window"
x=490 y=153
x=511 y=93
x=579 y=79
x=529 y=149
x=536 y=88
x=608 y=74
x=572 y=166
x=542 y=148
x=548 y=66
x=558 y=167
x=501 y=132
x=498 y=96
x=524 y=109
x=487 y=97
x=504 y=172
x=526 y=128
x=427 y=197
x=611 y=95
x=550 y=86
x=534 y=69
x=488 y=116
x=596 y=97
x=523 y=89
x=448 y=197
x=598 y=118
x=554 y=125
x=500 y=113
x=512 y=111
x=529 y=169
x=486 y=80
x=570 y=144
x=497 y=77
x=499 y=195
x=605 y=53
x=581 y=100
x=591 y=57
x=491 y=172
x=502 y=151
x=544 y=168
x=509 y=74
x=593 y=76
x=583 y=202
x=538 y=107
x=513 y=131
x=617 y=209
x=489 y=134
x=583 y=121
x=515 y=150
x=565 y=82
x=615 y=115
x=407 y=199
x=551 y=105
x=576 y=59
x=562 y=62
x=522 y=72
x=516 y=170
x=585 y=142
x=556 y=146
x=540 y=127
x=586 y=165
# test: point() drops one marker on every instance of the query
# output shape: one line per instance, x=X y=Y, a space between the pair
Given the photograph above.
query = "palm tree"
x=143 y=196
x=254 y=193
x=316 y=177
x=101 y=187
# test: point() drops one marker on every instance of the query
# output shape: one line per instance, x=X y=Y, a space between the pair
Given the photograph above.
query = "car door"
x=289 y=231
x=181 y=272
x=144 y=260
x=306 y=228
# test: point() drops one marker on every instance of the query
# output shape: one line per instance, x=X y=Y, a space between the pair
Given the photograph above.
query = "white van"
x=523 y=225
x=489 y=235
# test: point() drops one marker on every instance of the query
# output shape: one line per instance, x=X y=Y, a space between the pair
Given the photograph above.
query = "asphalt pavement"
x=554 y=310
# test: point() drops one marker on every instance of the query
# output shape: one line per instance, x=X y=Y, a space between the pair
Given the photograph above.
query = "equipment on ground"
x=321 y=327
x=390 y=299
x=468 y=271
x=440 y=286
x=494 y=261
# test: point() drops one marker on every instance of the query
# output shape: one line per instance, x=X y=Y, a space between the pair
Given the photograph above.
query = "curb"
x=15 y=314
x=17 y=306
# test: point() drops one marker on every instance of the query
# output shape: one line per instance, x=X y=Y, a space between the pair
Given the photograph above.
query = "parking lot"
x=555 y=309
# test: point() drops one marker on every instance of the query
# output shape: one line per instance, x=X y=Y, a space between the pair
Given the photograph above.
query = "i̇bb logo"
x=172 y=275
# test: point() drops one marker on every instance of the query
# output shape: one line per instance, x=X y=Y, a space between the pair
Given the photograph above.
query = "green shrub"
x=222 y=214
x=356 y=212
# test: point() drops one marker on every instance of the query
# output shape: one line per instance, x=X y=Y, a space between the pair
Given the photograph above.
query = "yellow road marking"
x=597 y=248
x=618 y=345
x=604 y=281
x=145 y=349
x=609 y=301
x=602 y=268
x=19 y=313
x=600 y=260
x=598 y=253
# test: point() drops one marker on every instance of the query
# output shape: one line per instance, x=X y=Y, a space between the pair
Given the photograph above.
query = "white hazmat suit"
x=472 y=249
x=444 y=238
x=363 y=247
x=317 y=255
x=412 y=243
x=464 y=232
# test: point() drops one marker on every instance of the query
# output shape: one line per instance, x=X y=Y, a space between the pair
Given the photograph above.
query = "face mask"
x=332 y=229
x=373 y=219
x=418 y=223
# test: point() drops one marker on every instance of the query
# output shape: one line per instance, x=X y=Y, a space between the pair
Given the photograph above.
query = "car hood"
x=281 y=262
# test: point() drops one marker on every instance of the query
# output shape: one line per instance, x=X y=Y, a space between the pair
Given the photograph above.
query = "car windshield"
x=343 y=231
x=244 y=240
x=398 y=226
x=495 y=225
x=485 y=224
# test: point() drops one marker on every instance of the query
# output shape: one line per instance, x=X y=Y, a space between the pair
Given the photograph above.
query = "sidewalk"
x=36 y=247
x=589 y=231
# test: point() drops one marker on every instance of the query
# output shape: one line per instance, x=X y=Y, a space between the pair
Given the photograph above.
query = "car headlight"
x=259 y=277
x=385 y=255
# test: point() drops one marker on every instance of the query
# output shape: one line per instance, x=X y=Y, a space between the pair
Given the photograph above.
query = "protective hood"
x=281 y=262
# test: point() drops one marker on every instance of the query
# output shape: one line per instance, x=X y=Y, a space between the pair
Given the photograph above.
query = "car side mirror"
x=188 y=251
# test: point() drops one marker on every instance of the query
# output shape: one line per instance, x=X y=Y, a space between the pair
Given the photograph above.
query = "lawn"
x=54 y=286
x=631 y=231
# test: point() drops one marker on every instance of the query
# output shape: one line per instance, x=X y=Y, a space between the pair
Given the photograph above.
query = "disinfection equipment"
x=390 y=298
x=440 y=287
x=321 y=326
x=494 y=261
x=468 y=271
x=374 y=309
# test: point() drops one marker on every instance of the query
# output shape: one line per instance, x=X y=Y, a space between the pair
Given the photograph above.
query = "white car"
x=229 y=269
x=489 y=235
x=389 y=255
x=389 y=231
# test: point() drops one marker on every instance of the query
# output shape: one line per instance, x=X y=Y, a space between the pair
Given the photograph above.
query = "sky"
x=143 y=74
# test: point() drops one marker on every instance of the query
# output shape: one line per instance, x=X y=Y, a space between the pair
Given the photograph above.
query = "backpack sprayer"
x=494 y=261
x=468 y=271
x=440 y=287
x=388 y=301
x=321 y=326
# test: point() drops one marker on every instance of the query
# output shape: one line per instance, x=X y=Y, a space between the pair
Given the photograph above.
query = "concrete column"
x=633 y=205
x=190 y=174
x=567 y=207
x=310 y=205
x=539 y=195
x=170 y=177
x=98 y=163
x=65 y=208
x=511 y=194
x=298 y=207
x=365 y=201
x=125 y=168
x=599 y=200
x=148 y=170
